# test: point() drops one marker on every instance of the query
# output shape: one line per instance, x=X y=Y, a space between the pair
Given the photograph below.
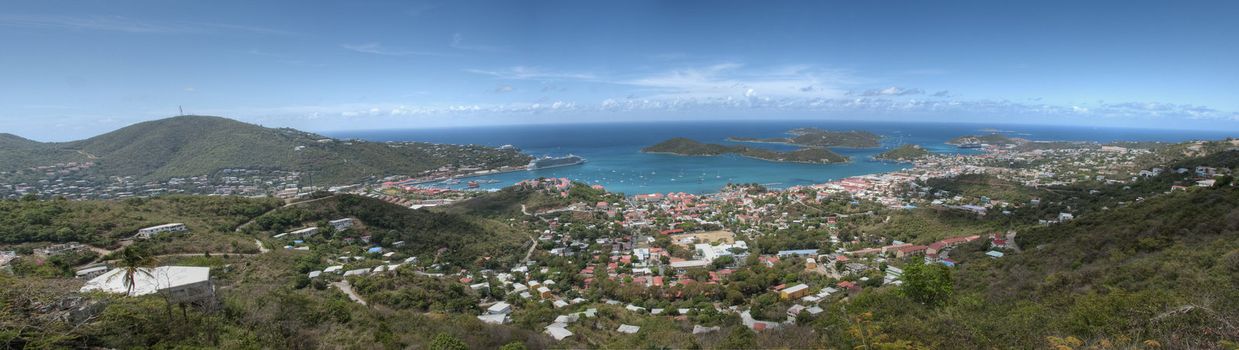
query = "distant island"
x=991 y=139
x=904 y=153
x=814 y=137
x=687 y=147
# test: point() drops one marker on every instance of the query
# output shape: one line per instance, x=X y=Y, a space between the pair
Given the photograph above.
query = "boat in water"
x=555 y=162
x=473 y=184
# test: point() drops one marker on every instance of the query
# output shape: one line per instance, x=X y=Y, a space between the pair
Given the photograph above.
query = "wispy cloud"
x=889 y=91
x=127 y=25
x=458 y=42
x=533 y=73
x=380 y=49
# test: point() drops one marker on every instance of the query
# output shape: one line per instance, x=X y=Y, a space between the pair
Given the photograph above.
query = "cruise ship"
x=554 y=162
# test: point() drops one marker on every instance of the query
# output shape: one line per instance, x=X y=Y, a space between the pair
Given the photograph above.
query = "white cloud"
x=532 y=73
x=379 y=49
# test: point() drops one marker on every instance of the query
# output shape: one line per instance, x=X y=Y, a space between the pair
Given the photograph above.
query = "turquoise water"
x=614 y=159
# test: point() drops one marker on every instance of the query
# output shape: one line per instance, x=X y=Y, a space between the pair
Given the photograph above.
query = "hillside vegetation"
x=464 y=238
x=904 y=153
x=688 y=147
x=200 y=145
x=103 y=223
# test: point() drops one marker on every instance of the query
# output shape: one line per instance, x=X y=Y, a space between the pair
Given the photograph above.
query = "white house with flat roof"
x=181 y=283
x=149 y=232
x=341 y=224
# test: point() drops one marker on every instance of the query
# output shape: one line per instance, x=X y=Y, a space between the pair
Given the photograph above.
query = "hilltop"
x=687 y=147
x=814 y=137
x=202 y=145
x=904 y=153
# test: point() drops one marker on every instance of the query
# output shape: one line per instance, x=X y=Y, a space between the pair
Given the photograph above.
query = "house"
x=149 y=232
x=91 y=272
x=180 y=283
x=628 y=329
x=558 y=331
x=795 y=310
x=799 y=252
x=688 y=264
x=341 y=224
x=794 y=292
x=305 y=232
x=910 y=250
x=493 y=318
x=499 y=308
x=994 y=254
x=57 y=249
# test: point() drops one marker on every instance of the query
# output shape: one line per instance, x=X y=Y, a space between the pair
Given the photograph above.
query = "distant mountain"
x=687 y=147
x=814 y=137
x=201 y=145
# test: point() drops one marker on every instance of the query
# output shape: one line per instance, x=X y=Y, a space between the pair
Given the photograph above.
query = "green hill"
x=687 y=147
x=200 y=145
x=904 y=153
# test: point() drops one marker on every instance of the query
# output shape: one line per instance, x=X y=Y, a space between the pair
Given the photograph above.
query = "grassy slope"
x=104 y=222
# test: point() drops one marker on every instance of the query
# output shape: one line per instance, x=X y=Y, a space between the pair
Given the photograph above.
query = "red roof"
x=674 y=230
x=759 y=326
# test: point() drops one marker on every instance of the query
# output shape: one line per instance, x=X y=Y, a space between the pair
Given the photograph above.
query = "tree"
x=927 y=284
x=516 y=345
x=445 y=341
x=135 y=261
x=739 y=338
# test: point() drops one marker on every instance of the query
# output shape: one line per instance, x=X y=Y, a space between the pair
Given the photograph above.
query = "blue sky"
x=75 y=69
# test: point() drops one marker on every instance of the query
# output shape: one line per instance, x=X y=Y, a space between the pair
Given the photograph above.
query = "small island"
x=904 y=153
x=995 y=139
x=688 y=147
x=814 y=137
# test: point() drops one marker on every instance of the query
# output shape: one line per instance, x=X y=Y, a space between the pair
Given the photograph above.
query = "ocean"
x=615 y=161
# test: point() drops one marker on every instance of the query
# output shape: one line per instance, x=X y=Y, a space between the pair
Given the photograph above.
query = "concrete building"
x=341 y=224
x=794 y=292
x=180 y=283
x=152 y=231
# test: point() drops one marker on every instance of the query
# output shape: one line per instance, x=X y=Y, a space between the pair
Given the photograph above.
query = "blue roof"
x=375 y=250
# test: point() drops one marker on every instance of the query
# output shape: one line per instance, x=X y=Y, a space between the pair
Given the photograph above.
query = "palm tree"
x=135 y=262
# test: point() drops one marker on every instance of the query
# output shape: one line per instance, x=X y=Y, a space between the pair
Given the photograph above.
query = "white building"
x=711 y=252
x=305 y=232
x=341 y=224
x=182 y=283
x=155 y=230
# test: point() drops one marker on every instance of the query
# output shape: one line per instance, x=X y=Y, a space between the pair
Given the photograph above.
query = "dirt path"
x=261 y=248
x=348 y=290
